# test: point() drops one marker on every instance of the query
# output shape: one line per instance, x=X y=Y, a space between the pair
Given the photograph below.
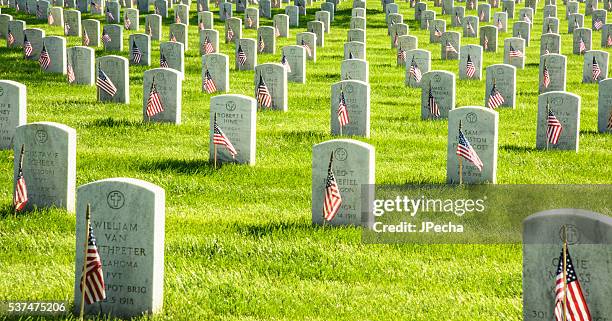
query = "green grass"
x=252 y=253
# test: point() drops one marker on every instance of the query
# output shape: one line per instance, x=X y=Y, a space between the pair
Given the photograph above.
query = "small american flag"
x=470 y=69
x=495 y=98
x=596 y=70
x=332 y=200
x=549 y=29
x=457 y=19
x=581 y=46
x=598 y=24
x=50 y=19
x=263 y=95
x=241 y=56
x=610 y=121
x=519 y=35
x=568 y=293
x=94 y=277
x=66 y=29
x=200 y=7
x=94 y=5
x=469 y=27
x=434 y=109
x=20 y=197
x=109 y=15
x=609 y=40
x=136 y=53
x=450 y=48
x=230 y=33
x=485 y=43
x=554 y=128
x=39 y=13
x=415 y=72
x=70 y=73
x=276 y=31
x=350 y=55
x=465 y=150
x=307 y=47
x=172 y=37
x=85 y=38
x=482 y=15
x=157 y=10
x=437 y=32
x=249 y=21
x=177 y=18
x=106 y=38
x=27 y=47
x=500 y=25
x=219 y=138
x=208 y=84
x=427 y=24
x=343 y=117
x=10 y=38
x=163 y=63
x=208 y=46
x=200 y=25
x=148 y=29
x=127 y=23
x=44 y=60
x=285 y=63
x=261 y=45
x=576 y=24
x=104 y=83
x=395 y=40
x=526 y=18
x=471 y=5
x=545 y=76
x=514 y=52
x=401 y=54
x=154 y=103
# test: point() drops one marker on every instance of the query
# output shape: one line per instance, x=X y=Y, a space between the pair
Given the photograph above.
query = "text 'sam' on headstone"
x=13 y=111
x=352 y=164
x=565 y=107
x=236 y=117
x=49 y=164
x=479 y=126
x=128 y=222
x=355 y=96
x=588 y=236
x=163 y=86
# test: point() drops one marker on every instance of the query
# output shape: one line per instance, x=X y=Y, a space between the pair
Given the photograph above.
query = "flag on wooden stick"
x=20 y=197
x=333 y=199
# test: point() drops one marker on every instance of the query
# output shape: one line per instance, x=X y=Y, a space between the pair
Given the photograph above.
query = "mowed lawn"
x=239 y=243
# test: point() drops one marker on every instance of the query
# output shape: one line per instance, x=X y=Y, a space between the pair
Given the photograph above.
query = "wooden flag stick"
x=83 y=273
x=564 y=272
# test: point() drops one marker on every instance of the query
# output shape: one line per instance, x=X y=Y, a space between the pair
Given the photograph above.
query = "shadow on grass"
x=182 y=166
x=513 y=148
x=589 y=132
x=113 y=123
x=302 y=135
x=269 y=228
x=6 y=210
